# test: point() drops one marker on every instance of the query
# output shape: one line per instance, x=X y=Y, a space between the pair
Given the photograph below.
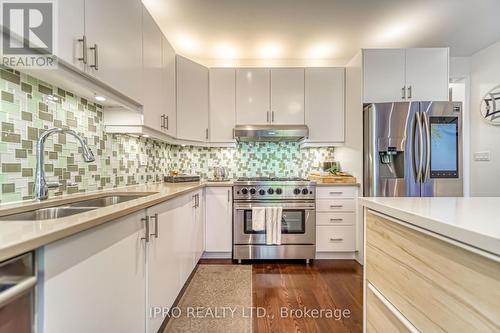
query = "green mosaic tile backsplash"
x=29 y=106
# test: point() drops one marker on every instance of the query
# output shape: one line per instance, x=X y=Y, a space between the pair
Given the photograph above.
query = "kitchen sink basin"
x=46 y=213
x=71 y=208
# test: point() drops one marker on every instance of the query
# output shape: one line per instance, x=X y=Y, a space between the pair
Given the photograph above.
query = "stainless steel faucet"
x=41 y=185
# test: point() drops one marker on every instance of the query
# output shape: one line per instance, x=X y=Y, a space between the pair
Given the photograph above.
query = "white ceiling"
x=309 y=32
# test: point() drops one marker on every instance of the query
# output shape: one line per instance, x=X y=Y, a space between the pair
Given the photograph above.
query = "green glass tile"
x=53 y=155
x=7 y=96
x=10 y=108
x=11 y=197
x=48 y=167
x=27 y=172
x=58 y=123
x=10 y=76
x=44 y=89
x=72 y=123
x=81 y=171
x=72 y=167
x=43 y=107
x=58 y=171
x=11 y=167
x=26 y=88
x=32 y=133
x=66 y=175
x=3 y=147
x=26 y=144
x=21 y=153
x=92 y=167
x=57 y=147
x=26 y=116
x=8 y=188
x=45 y=116
x=61 y=138
x=11 y=137
x=61 y=92
x=7 y=127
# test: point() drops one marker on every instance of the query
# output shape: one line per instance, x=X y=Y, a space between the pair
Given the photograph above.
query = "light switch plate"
x=482 y=156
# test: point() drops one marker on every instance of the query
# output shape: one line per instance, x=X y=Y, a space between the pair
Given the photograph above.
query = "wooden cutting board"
x=330 y=179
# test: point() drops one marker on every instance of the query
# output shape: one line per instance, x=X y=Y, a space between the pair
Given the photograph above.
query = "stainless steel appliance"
x=17 y=294
x=413 y=149
x=270 y=133
x=298 y=224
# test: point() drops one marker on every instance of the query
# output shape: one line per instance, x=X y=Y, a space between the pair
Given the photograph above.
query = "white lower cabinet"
x=219 y=220
x=94 y=281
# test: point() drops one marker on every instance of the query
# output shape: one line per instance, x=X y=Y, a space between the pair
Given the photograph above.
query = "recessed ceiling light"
x=100 y=98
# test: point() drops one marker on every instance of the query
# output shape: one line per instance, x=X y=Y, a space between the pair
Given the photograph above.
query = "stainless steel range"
x=298 y=223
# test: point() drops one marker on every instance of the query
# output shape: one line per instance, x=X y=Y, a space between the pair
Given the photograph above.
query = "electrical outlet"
x=482 y=156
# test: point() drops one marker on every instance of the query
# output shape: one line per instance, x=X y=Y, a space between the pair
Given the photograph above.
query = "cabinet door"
x=153 y=108
x=198 y=244
x=168 y=88
x=219 y=219
x=100 y=274
x=192 y=100
x=287 y=96
x=166 y=255
x=427 y=74
x=252 y=96
x=71 y=28
x=222 y=104
x=324 y=104
x=383 y=75
x=116 y=27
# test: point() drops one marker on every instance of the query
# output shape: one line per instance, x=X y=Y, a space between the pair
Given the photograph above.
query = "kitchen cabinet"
x=253 y=96
x=324 y=104
x=153 y=106
x=71 y=31
x=113 y=30
x=94 y=281
x=169 y=119
x=287 y=96
x=392 y=75
x=192 y=100
x=219 y=220
x=222 y=104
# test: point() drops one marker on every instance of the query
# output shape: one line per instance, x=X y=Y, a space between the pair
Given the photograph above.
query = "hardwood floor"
x=328 y=287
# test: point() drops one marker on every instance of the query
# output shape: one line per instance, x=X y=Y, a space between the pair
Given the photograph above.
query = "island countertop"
x=17 y=237
x=472 y=221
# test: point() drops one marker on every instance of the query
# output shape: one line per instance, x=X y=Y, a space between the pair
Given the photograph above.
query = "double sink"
x=71 y=208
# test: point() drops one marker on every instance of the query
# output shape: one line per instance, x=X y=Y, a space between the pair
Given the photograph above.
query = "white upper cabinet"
x=192 y=100
x=392 y=75
x=153 y=106
x=252 y=96
x=427 y=77
x=169 y=120
x=324 y=104
x=383 y=75
x=287 y=96
x=222 y=104
x=114 y=36
x=71 y=32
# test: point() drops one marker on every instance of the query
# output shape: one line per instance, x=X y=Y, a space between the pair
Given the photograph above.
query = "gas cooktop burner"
x=271 y=179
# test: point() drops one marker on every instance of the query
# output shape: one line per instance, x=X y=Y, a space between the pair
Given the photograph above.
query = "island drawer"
x=336 y=192
x=335 y=218
x=335 y=205
x=433 y=283
x=335 y=238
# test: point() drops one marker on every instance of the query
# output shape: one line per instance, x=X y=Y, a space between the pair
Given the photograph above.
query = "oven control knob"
x=305 y=191
x=296 y=191
x=253 y=191
x=270 y=191
x=279 y=191
x=244 y=190
x=262 y=192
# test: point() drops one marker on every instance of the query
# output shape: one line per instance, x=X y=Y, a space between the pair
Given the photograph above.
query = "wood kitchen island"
x=432 y=264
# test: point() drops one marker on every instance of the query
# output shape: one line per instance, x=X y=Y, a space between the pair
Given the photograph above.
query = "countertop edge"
x=482 y=242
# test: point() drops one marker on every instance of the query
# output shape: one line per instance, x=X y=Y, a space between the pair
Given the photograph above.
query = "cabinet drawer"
x=436 y=285
x=335 y=219
x=335 y=205
x=335 y=238
x=336 y=192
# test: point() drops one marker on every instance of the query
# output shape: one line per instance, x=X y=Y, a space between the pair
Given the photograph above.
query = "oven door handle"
x=19 y=289
x=296 y=205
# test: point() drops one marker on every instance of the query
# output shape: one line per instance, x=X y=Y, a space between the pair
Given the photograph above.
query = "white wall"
x=485 y=75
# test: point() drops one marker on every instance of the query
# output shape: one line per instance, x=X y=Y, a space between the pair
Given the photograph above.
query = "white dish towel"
x=273 y=225
x=258 y=218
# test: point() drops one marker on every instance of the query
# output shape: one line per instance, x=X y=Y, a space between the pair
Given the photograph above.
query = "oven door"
x=298 y=223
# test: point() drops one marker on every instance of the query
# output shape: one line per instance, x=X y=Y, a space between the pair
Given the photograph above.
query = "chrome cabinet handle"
x=206 y=133
x=409 y=92
x=334 y=193
x=194 y=198
x=272 y=116
x=162 y=122
x=336 y=220
x=426 y=171
x=146 y=232
x=336 y=206
x=403 y=93
x=96 y=57
x=167 y=121
x=336 y=239
x=84 y=57
x=228 y=195
x=156 y=225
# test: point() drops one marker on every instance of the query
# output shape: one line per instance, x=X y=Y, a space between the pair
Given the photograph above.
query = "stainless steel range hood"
x=270 y=133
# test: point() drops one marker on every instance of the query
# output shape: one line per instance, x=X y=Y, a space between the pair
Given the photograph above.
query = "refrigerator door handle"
x=426 y=171
x=418 y=170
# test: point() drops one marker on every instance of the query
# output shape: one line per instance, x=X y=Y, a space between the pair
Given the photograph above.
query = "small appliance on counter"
x=181 y=178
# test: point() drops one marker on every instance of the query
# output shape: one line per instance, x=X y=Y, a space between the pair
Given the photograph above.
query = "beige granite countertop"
x=17 y=237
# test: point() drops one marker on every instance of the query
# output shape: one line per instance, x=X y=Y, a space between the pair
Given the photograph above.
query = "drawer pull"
x=336 y=220
x=336 y=206
x=336 y=193
x=336 y=239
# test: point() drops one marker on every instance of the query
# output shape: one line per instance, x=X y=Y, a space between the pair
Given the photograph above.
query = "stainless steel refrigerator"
x=413 y=149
